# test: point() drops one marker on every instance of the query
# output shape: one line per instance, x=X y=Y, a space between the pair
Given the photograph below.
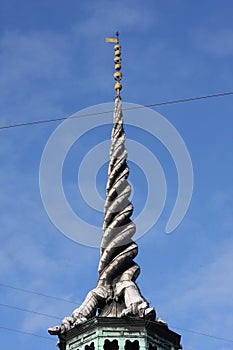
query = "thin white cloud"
x=27 y=59
x=202 y=297
x=215 y=41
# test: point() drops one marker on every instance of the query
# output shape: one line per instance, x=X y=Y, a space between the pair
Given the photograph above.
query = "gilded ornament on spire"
x=117 y=63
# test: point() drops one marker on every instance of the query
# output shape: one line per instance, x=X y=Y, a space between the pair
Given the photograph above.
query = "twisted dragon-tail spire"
x=116 y=293
x=117 y=268
x=117 y=248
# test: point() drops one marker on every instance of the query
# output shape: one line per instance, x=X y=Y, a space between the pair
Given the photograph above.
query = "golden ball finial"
x=117 y=63
x=118 y=86
x=117 y=76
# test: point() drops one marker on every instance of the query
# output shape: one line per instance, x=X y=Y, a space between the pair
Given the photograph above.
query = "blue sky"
x=54 y=62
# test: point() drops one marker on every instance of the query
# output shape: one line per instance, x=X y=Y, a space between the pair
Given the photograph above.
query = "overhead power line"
x=40 y=294
x=188 y=99
x=26 y=333
x=204 y=334
x=131 y=318
x=31 y=311
x=199 y=333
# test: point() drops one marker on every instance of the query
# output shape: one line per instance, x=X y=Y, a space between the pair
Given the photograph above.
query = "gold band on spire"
x=117 y=62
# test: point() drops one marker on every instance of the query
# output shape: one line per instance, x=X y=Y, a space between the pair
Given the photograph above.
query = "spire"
x=117 y=267
x=116 y=293
x=117 y=248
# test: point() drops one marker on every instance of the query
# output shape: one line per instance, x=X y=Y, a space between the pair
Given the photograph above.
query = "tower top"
x=117 y=62
x=115 y=309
